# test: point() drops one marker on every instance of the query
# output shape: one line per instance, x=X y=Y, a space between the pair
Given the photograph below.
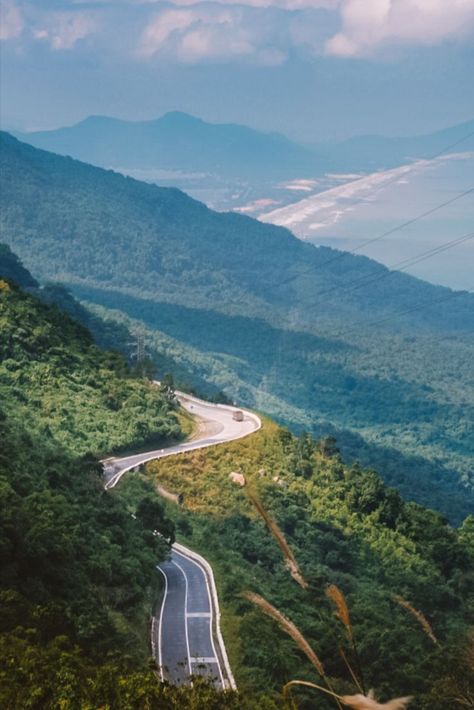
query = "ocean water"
x=366 y=207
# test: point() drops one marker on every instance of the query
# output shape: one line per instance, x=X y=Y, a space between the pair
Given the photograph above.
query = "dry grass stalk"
x=351 y=671
x=307 y=684
x=342 y=610
x=368 y=702
x=290 y=560
x=287 y=626
x=358 y=702
x=421 y=618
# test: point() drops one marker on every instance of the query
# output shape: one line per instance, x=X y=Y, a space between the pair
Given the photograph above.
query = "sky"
x=316 y=70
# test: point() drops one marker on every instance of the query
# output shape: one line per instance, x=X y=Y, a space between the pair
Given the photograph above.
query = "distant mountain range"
x=270 y=320
x=372 y=152
x=180 y=142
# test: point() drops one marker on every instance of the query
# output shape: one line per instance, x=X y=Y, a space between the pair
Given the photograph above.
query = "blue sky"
x=313 y=69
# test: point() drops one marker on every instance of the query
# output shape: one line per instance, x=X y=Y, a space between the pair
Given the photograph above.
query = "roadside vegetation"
x=344 y=528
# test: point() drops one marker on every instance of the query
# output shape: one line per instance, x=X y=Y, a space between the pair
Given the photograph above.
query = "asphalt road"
x=186 y=638
x=184 y=633
x=216 y=426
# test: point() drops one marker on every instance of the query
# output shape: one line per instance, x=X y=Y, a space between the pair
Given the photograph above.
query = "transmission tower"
x=139 y=346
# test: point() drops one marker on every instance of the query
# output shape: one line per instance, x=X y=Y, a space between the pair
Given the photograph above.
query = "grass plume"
x=368 y=702
x=342 y=612
x=287 y=626
x=421 y=618
x=292 y=631
x=290 y=560
x=357 y=702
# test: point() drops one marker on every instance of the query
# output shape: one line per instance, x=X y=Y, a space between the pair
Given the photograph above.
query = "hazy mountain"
x=373 y=151
x=270 y=320
x=179 y=142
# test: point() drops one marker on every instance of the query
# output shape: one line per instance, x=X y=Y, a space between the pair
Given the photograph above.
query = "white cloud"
x=210 y=32
x=11 y=20
x=260 y=31
x=276 y=4
x=370 y=24
x=64 y=29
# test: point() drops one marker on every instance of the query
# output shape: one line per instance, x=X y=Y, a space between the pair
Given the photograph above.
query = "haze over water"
x=359 y=210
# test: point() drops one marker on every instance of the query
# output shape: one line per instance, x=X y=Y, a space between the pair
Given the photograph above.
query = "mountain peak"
x=180 y=117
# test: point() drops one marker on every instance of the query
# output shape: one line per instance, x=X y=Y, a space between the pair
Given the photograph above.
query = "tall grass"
x=360 y=701
x=421 y=618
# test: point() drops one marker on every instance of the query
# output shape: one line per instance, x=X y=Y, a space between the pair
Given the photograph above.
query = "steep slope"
x=12 y=269
x=86 y=225
x=56 y=382
x=271 y=320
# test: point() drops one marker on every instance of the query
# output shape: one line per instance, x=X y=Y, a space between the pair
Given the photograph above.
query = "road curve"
x=185 y=636
x=217 y=426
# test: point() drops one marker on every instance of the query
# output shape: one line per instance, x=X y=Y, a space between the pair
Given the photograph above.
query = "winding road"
x=185 y=635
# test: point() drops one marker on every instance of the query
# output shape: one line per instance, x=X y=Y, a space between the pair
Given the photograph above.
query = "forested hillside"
x=78 y=564
x=345 y=528
x=387 y=365
x=76 y=569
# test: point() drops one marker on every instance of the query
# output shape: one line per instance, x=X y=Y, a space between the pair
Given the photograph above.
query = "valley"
x=249 y=310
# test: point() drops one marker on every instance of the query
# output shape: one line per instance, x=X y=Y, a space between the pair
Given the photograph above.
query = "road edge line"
x=196 y=557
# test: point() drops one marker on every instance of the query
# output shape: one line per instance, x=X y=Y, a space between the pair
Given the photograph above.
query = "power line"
x=417 y=307
x=397 y=228
x=404 y=264
x=388 y=182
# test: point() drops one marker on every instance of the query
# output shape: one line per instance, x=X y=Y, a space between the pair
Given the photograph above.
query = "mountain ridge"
x=287 y=157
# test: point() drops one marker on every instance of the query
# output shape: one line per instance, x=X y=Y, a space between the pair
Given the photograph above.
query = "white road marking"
x=211 y=623
x=118 y=467
x=160 y=655
x=198 y=614
x=185 y=613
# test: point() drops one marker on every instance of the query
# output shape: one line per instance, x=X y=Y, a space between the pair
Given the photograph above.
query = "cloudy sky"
x=313 y=69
